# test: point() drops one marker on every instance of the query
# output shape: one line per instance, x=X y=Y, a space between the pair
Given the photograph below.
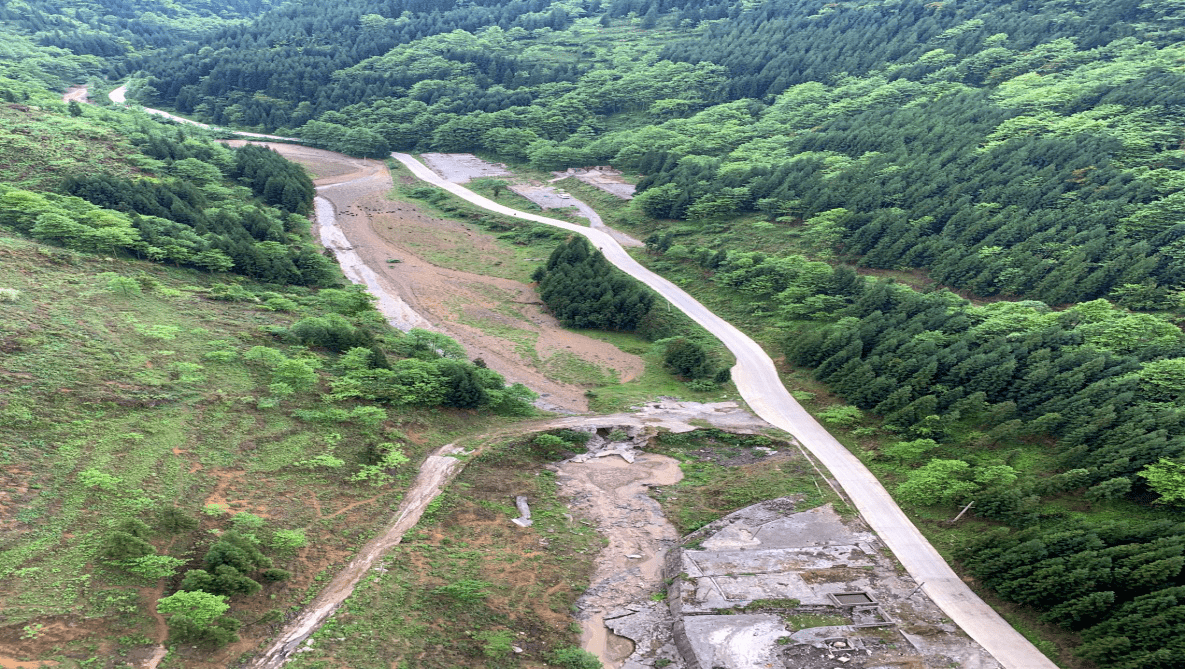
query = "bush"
x=687 y=359
x=121 y=546
x=288 y=540
x=275 y=575
x=572 y=657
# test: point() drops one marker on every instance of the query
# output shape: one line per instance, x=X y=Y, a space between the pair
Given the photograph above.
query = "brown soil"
x=380 y=229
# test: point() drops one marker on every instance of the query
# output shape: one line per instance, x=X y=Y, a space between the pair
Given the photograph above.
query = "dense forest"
x=1024 y=153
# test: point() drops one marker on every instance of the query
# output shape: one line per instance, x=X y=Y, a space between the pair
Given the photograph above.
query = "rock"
x=524 y=519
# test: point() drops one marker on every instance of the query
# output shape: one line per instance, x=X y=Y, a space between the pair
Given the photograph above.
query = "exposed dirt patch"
x=498 y=320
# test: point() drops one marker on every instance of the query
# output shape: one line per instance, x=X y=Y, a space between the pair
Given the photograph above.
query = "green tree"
x=938 y=482
x=687 y=358
x=121 y=285
x=1167 y=479
x=202 y=608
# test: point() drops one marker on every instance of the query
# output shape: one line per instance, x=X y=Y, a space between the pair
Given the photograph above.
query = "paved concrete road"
x=758 y=382
x=120 y=97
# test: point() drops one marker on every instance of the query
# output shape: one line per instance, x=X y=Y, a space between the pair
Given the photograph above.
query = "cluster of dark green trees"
x=583 y=290
x=192 y=216
x=1120 y=584
x=277 y=71
x=1109 y=385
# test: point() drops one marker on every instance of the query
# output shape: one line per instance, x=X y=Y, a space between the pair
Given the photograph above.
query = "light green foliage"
x=264 y=356
x=465 y=591
x=154 y=567
x=93 y=478
x=297 y=374
x=200 y=607
x=841 y=415
x=246 y=522
x=195 y=171
x=938 y=482
x=121 y=285
x=1163 y=380
x=286 y=541
x=379 y=473
x=574 y=658
x=9 y=295
x=495 y=643
x=909 y=451
x=1167 y=479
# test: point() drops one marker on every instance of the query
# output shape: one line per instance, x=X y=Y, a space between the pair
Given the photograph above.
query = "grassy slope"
x=94 y=379
x=40 y=148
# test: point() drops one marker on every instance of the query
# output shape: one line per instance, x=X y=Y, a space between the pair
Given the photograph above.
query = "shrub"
x=171 y=519
x=288 y=540
x=275 y=575
x=572 y=657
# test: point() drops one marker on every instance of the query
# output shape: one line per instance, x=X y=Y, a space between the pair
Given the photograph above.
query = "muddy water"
x=613 y=493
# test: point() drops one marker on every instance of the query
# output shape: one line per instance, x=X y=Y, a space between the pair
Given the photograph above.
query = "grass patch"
x=114 y=407
x=802 y=621
x=723 y=472
x=522 y=245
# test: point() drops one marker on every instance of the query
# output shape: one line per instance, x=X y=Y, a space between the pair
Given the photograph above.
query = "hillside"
x=176 y=424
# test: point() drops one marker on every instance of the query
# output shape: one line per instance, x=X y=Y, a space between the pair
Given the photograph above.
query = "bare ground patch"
x=496 y=319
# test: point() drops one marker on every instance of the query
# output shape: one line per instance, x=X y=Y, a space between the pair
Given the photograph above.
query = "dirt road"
x=438 y=469
x=498 y=320
x=74 y=94
x=758 y=382
x=120 y=97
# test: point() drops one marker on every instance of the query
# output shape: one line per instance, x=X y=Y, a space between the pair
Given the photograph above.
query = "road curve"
x=757 y=380
x=119 y=96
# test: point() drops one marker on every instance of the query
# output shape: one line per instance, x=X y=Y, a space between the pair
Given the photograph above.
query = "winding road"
x=758 y=382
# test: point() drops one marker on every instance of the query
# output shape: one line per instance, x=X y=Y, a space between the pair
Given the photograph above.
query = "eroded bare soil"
x=497 y=320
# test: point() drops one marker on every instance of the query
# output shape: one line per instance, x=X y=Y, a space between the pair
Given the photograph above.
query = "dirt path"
x=613 y=493
x=497 y=320
x=435 y=473
x=549 y=198
x=74 y=94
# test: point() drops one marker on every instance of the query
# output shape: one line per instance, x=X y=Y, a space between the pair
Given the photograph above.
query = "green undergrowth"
x=130 y=389
x=41 y=143
x=723 y=472
x=466 y=587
